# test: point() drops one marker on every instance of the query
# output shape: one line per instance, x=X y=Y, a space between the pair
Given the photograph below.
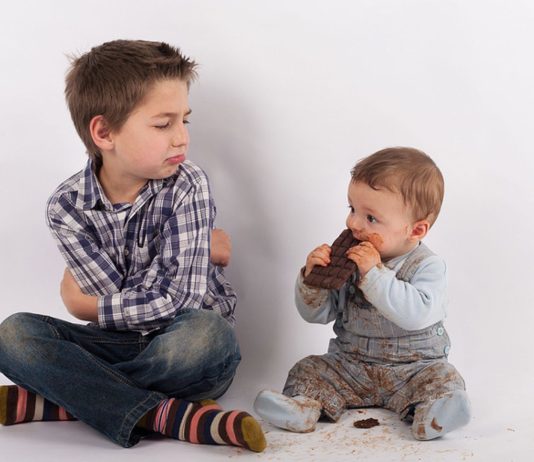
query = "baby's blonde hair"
x=409 y=172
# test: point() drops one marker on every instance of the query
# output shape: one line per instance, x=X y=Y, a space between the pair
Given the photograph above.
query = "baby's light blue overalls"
x=374 y=362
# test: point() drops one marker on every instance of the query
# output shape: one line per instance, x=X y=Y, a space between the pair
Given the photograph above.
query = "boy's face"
x=153 y=141
x=380 y=217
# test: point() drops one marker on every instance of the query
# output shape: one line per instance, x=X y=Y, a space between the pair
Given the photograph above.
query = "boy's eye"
x=163 y=126
x=186 y=121
x=351 y=208
x=371 y=219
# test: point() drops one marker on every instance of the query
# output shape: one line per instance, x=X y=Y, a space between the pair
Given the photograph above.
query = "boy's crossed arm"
x=80 y=305
x=85 y=307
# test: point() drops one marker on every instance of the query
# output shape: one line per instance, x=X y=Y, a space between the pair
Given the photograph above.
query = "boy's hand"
x=221 y=247
x=319 y=256
x=78 y=304
x=365 y=256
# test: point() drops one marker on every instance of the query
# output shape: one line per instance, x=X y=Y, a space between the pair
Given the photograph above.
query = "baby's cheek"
x=377 y=240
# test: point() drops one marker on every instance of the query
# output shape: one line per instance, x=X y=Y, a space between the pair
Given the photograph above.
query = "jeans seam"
x=94 y=339
x=112 y=342
x=54 y=329
x=124 y=432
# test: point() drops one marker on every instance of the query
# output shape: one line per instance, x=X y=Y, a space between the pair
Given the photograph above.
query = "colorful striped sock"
x=201 y=423
x=18 y=405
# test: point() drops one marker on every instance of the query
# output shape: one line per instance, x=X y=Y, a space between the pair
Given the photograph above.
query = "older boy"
x=391 y=348
x=134 y=228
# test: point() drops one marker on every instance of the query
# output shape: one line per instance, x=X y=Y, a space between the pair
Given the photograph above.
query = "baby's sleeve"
x=315 y=305
x=412 y=305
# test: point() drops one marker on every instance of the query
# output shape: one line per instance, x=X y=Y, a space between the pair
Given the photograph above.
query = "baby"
x=390 y=348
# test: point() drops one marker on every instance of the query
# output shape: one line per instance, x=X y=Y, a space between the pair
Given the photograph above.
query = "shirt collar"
x=91 y=195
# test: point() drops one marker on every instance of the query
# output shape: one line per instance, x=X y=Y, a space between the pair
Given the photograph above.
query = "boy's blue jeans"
x=108 y=379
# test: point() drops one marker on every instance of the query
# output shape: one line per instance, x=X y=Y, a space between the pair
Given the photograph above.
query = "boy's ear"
x=419 y=229
x=101 y=133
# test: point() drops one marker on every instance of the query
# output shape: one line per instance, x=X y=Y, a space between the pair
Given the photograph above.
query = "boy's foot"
x=18 y=405
x=204 y=423
x=297 y=414
x=435 y=418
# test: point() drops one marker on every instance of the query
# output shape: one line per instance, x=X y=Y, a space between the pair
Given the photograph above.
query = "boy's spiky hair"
x=111 y=79
x=408 y=171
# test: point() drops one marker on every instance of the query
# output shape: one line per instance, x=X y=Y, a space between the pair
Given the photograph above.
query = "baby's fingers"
x=320 y=256
x=323 y=252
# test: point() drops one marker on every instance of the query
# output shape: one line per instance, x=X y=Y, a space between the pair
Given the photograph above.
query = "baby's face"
x=380 y=217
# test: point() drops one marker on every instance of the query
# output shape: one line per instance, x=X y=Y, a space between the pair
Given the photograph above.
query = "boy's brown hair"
x=407 y=171
x=111 y=79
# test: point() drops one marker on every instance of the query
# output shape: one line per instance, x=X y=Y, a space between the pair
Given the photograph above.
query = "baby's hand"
x=221 y=247
x=365 y=256
x=319 y=256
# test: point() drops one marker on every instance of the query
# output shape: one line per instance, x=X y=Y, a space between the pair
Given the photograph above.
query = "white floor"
x=500 y=431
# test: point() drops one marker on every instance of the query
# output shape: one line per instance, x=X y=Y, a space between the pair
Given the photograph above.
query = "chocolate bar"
x=340 y=268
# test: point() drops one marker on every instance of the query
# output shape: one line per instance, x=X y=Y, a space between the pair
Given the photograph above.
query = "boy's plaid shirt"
x=147 y=260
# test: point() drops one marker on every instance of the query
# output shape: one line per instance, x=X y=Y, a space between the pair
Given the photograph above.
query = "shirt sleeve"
x=92 y=268
x=220 y=296
x=177 y=278
x=315 y=305
x=412 y=305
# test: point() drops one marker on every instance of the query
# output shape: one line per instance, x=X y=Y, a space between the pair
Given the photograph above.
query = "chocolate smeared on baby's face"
x=373 y=238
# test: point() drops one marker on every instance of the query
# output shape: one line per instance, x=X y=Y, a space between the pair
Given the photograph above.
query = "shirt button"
x=446 y=349
x=352 y=289
x=126 y=251
x=440 y=330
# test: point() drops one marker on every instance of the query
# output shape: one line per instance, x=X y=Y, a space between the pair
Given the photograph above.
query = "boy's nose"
x=180 y=136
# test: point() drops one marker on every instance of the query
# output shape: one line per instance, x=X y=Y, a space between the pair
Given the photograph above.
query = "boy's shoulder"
x=189 y=172
x=66 y=192
x=189 y=180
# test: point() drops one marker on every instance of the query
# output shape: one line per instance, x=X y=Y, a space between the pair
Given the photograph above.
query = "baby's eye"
x=351 y=208
x=371 y=219
x=186 y=121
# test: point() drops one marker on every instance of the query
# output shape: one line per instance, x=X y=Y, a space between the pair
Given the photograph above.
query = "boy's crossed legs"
x=108 y=379
x=430 y=394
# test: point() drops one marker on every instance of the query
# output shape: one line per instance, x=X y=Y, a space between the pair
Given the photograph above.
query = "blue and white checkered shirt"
x=145 y=261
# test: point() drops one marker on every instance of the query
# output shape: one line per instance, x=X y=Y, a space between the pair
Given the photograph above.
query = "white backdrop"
x=290 y=95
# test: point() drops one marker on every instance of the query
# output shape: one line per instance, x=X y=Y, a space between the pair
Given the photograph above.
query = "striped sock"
x=18 y=405
x=205 y=423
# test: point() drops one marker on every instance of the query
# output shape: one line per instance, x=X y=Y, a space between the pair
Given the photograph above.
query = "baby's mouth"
x=373 y=238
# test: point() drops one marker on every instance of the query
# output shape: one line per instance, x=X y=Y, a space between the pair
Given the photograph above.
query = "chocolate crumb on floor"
x=366 y=423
